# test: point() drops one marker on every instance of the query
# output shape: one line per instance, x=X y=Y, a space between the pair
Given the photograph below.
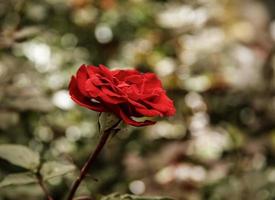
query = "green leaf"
x=132 y=197
x=107 y=120
x=20 y=155
x=53 y=169
x=18 y=179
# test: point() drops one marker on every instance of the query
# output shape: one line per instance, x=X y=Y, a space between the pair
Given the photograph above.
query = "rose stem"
x=43 y=186
x=84 y=170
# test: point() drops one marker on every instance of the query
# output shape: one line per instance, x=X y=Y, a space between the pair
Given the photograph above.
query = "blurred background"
x=215 y=58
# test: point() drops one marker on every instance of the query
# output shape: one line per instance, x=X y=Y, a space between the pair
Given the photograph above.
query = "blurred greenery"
x=216 y=58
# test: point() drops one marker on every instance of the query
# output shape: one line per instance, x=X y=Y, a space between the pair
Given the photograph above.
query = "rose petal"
x=132 y=92
x=92 y=70
x=151 y=82
x=81 y=77
x=107 y=99
x=132 y=122
x=142 y=109
x=81 y=100
x=134 y=79
x=106 y=72
x=122 y=74
x=163 y=104
x=91 y=89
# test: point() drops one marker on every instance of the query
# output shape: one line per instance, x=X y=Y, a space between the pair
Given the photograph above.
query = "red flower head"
x=126 y=93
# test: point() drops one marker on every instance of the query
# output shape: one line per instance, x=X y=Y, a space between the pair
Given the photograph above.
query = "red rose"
x=126 y=93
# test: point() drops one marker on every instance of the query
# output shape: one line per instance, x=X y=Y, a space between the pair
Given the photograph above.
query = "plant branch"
x=83 y=172
x=43 y=186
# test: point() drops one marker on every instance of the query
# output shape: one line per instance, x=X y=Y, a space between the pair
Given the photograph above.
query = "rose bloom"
x=126 y=93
